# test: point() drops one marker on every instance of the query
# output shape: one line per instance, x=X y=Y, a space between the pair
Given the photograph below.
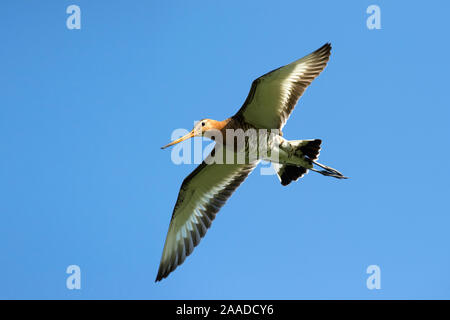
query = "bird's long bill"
x=189 y=135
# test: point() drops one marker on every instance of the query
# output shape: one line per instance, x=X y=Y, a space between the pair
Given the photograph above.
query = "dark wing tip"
x=327 y=46
x=162 y=273
x=159 y=276
x=325 y=49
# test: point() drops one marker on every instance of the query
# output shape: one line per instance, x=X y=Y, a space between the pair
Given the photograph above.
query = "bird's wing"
x=274 y=95
x=201 y=196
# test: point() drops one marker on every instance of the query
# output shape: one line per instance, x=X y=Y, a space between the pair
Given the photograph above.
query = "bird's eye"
x=203 y=124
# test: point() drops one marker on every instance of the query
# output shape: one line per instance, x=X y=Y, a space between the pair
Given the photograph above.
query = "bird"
x=202 y=194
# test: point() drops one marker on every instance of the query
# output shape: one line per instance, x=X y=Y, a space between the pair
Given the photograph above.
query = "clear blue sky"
x=83 y=114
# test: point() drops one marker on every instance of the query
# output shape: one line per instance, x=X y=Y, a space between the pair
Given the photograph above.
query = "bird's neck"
x=217 y=126
x=221 y=125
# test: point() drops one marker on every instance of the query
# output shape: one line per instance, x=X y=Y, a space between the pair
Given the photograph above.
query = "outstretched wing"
x=274 y=95
x=201 y=196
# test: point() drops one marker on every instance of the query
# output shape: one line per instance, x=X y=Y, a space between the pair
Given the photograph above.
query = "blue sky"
x=83 y=114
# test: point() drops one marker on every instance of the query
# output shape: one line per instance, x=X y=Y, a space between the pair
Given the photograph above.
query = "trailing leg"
x=328 y=171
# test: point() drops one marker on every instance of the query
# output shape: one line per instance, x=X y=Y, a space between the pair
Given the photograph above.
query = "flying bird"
x=271 y=99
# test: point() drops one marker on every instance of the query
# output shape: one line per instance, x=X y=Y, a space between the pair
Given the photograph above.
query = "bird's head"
x=200 y=129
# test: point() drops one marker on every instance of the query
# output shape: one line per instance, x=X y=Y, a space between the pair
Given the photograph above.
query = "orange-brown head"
x=201 y=129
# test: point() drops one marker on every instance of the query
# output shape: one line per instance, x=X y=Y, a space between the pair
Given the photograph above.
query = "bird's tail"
x=305 y=148
x=309 y=150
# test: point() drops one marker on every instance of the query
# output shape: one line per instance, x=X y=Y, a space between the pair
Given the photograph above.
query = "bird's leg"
x=330 y=172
